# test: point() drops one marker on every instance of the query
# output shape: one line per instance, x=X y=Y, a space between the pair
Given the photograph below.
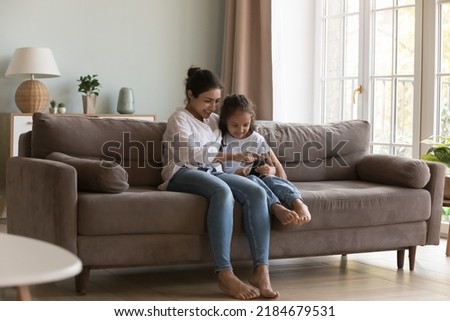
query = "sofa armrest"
x=41 y=200
x=413 y=173
x=393 y=170
x=436 y=188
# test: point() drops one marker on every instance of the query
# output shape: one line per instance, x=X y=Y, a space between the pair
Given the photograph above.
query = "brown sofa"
x=360 y=202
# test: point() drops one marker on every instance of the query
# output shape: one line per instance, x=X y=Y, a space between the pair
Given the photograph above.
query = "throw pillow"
x=394 y=170
x=95 y=175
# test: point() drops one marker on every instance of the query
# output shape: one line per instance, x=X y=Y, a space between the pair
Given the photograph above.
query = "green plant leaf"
x=443 y=155
x=89 y=85
x=437 y=141
x=429 y=157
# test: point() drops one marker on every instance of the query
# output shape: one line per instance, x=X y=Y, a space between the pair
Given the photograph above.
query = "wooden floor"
x=369 y=276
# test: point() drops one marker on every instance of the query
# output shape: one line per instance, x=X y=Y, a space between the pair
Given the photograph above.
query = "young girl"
x=237 y=126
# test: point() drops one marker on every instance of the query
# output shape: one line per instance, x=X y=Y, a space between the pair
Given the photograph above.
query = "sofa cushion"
x=134 y=144
x=146 y=210
x=318 y=152
x=356 y=203
x=95 y=175
x=141 y=210
x=394 y=170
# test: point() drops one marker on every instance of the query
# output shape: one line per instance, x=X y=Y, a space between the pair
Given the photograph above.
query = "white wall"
x=293 y=30
x=147 y=45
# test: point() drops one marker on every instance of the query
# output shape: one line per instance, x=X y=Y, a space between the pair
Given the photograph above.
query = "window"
x=341 y=60
x=368 y=47
x=386 y=61
x=442 y=119
x=392 y=76
x=443 y=69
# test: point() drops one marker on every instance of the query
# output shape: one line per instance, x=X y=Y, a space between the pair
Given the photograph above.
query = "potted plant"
x=52 y=108
x=61 y=108
x=89 y=86
x=439 y=152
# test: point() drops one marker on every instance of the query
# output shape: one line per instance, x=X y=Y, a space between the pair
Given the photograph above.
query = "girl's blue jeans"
x=277 y=189
x=221 y=190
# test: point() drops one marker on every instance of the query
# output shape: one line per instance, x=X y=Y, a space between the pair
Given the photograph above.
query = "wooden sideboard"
x=12 y=125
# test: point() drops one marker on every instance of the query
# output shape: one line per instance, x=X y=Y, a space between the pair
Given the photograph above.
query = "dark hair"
x=233 y=103
x=200 y=80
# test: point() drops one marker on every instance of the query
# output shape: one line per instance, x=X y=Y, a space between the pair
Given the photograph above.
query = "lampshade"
x=32 y=95
x=32 y=62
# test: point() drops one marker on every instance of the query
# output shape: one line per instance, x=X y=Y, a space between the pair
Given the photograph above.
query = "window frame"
x=365 y=102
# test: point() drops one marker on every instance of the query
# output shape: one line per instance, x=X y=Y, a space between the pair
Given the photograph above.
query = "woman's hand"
x=243 y=171
x=279 y=170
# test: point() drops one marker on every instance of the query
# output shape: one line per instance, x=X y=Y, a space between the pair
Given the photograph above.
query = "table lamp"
x=32 y=95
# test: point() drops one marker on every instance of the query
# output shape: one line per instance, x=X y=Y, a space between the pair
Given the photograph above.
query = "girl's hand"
x=244 y=157
x=266 y=170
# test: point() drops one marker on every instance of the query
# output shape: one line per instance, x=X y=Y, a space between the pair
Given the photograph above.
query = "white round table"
x=26 y=261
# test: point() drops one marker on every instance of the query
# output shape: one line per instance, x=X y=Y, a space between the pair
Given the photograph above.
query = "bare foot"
x=284 y=215
x=260 y=279
x=302 y=211
x=231 y=285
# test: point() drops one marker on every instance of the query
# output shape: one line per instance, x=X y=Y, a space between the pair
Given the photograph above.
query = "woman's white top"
x=189 y=142
x=255 y=143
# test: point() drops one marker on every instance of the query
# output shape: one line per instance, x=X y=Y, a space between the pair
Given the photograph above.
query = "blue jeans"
x=277 y=189
x=221 y=190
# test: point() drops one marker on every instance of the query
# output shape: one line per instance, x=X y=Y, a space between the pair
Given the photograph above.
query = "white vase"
x=125 y=103
x=52 y=110
x=62 y=110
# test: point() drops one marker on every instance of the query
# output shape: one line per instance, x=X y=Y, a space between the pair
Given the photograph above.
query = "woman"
x=192 y=164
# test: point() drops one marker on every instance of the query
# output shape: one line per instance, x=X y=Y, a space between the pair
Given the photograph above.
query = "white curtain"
x=293 y=59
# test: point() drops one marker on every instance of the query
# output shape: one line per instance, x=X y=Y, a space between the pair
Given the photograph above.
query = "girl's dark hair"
x=201 y=80
x=233 y=103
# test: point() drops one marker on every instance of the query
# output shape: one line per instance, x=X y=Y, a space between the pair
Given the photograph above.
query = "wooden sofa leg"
x=82 y=280
x=412 y=257
x=400 y=258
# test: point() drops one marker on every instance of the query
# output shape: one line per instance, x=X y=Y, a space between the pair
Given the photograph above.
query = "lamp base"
x=32 y=96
